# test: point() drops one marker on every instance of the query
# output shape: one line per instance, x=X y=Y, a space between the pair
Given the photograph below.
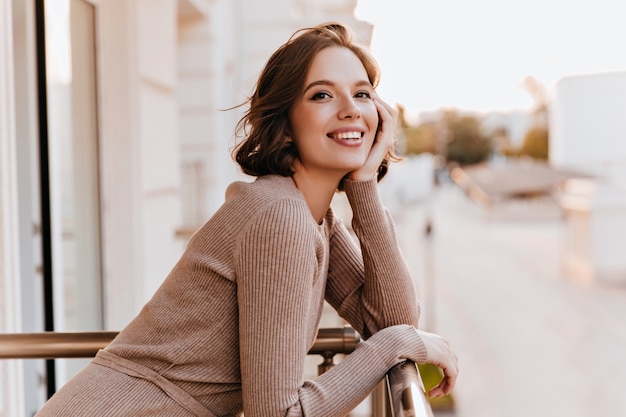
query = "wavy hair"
x=264 y=148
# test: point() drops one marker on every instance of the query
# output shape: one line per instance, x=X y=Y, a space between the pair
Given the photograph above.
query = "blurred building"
x=588 y=133
x=113 y=146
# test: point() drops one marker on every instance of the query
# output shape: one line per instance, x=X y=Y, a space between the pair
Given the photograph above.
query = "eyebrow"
x=332 y=84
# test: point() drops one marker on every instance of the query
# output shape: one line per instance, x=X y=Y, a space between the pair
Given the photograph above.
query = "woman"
x=229 y=329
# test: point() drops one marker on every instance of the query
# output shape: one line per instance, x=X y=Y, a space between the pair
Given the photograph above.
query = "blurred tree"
x=536 y=143
x=466 y=144
x=421 y=138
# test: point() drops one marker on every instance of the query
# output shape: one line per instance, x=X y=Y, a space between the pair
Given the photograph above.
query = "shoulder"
x=268 y=205
x=262 y=214
x=264 y=189
x=279 y=225
x=250 y=202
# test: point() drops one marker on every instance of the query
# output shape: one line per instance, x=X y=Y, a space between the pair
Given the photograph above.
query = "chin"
x=352 y=165
x=348 y=165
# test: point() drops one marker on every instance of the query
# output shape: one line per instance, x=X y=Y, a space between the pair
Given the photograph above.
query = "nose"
x=349 y=109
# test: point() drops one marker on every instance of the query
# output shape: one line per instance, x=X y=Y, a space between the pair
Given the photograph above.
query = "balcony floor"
x=530 y=341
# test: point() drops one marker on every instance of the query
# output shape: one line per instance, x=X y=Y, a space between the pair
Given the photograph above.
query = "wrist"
x=360 y=176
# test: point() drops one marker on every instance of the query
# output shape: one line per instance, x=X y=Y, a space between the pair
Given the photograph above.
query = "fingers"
x=440 y=390
x=383 y=141
x=441 y=355
x=387 y=115
x=447 y=383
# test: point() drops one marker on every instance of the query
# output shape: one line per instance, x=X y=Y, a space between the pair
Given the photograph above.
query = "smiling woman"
x=229 y=329
x=334 y=121
x=283 y=82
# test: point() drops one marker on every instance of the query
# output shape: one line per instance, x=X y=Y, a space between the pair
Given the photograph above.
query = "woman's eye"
x=320 y=96
x=363 y=94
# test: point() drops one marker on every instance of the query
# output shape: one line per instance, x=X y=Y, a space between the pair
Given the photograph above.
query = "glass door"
x=74 y=197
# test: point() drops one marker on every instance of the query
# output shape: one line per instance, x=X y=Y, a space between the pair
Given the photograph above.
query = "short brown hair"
x=265 y=125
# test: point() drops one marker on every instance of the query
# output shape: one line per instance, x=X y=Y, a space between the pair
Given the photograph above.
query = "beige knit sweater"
x=229 y=328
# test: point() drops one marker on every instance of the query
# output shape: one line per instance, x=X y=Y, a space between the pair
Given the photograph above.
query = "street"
x=530 y=341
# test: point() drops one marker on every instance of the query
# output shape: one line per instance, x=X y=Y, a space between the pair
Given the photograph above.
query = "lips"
x=351 y=135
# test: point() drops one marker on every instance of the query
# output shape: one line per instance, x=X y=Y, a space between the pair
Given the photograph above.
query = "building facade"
x=588 y=133
x=115 y=140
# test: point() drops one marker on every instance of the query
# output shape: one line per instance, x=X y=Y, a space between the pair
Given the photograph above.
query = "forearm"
x=388 y=295
x=342 y=388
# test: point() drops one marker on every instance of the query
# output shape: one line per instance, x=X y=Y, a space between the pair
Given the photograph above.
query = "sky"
x=475 y=55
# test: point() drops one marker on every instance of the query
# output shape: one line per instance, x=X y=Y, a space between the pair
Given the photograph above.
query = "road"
x=530 y=341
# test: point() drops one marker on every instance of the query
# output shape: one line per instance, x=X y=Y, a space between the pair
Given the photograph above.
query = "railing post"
x=407 y=395
x=327 y=363
x=380 y=400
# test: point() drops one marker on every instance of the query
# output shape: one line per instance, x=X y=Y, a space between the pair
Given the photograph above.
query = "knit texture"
x=232 y=323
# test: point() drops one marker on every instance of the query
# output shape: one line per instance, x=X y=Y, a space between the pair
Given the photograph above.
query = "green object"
x=431 y=375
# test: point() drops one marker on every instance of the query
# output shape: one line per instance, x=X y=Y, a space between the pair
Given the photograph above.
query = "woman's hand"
x=383 y=142
x=440 y=354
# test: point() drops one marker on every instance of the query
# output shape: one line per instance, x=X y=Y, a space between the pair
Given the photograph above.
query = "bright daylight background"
x=475 y=55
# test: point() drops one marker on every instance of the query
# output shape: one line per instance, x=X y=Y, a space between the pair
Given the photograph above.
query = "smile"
x=346 y=135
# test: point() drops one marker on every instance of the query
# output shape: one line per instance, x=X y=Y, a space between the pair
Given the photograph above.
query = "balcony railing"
x=400 y=394
x=54 y=345
x=406 y=392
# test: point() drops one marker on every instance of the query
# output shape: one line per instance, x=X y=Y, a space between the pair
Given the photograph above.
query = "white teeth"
x=348 y=135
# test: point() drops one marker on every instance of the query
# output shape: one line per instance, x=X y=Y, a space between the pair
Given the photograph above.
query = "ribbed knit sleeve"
x=372 y=289
x=276 y=265
x=338 y=391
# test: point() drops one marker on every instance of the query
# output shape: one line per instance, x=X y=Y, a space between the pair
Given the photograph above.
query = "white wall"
x=588 y=123
x=11 y=395
x=208 y=74
x=139 y=150
x=588 y=132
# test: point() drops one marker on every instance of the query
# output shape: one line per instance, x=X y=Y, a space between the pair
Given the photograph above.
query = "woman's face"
x=333 y=124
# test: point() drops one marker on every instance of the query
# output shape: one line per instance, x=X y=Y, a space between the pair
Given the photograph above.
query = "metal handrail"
x=53 y=345
x=406 y=393
x=402 y=392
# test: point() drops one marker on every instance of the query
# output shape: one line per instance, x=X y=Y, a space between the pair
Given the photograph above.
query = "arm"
x=375 y=290
x=372 y=289
x=276 y=263
x=377 y=300
x=274 y=266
